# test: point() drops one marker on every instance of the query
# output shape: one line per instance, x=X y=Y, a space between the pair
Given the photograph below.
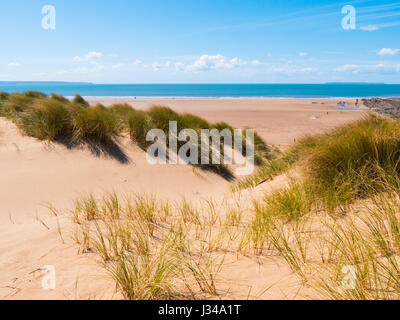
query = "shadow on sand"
x=109 y=150
x=114 y=151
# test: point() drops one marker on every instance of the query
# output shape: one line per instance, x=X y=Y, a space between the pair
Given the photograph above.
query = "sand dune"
x=35 y=174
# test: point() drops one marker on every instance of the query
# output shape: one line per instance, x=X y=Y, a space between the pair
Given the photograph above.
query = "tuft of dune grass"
x=59 y=98
x=139 y=126
x=79 y=100
x=14 y=104
x=356 y=154
x=4 y=96
x=95 y=124
x=47 y=119
x=35 y=94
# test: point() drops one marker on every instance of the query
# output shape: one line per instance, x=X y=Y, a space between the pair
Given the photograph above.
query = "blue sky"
x=202 y=41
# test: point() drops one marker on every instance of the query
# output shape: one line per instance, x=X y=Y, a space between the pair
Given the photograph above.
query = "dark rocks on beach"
x=342 y=104
x=388 y=107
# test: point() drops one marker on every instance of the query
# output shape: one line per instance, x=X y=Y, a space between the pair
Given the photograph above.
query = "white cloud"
x=89 y=56
x=14 y=64
x=83 y=70
x=388 y=52
x=180 y=66
x=256 y=62
x=348 y=67
x=140 y=63
x=92 y=69
x=303 y=54
x=117 y=66
x=158 y=66
x=369 y=28
x=207 y=62
x=369 y=68
x=290 y=68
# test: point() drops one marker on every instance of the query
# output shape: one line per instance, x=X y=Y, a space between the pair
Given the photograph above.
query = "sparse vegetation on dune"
x=56 y=118
x=151 y=249
x=338 y=229
x=47 y=119
x=96 y=124
x=157 y=251
x=274 y=166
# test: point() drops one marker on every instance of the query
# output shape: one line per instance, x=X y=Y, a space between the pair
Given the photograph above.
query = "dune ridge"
x=42 y=180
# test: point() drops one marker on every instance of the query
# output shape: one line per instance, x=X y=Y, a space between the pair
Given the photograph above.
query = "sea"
x=328 y=90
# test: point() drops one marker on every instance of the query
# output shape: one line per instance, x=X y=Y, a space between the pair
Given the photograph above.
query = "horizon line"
x=194 y=83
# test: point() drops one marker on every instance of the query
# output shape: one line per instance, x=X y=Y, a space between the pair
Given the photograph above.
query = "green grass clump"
x=96 y=124
x=59 y=98
x=291 y=203
x=122 y=110
x=47 y=119
x=144 y=277
x=79 y=100
x=15 y=103
x=352 y=162
x=194 y=122
x=3 y=99
x=58 y=119
x=356 y=154
x=161 y=116
x=34 y=94
x=139 y=126
x=3 y=96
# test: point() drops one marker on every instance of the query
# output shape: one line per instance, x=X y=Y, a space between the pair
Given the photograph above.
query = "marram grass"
x=56 y=118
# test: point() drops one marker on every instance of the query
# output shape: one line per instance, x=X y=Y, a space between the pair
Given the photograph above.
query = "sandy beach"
x=37 y=175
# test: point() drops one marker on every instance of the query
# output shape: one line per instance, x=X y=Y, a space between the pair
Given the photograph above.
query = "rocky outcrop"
x=388 y=107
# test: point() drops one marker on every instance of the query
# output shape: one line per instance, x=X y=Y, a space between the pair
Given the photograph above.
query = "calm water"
x=211 y=90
